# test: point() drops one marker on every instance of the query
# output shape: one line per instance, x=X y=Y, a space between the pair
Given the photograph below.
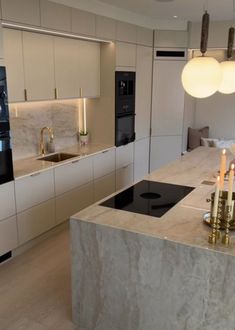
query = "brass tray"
x=207 y=219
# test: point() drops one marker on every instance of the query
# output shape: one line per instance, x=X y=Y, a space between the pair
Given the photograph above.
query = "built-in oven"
x=6 y=164
x=124 y=107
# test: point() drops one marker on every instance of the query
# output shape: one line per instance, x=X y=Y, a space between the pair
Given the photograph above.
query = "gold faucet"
x=51 y=135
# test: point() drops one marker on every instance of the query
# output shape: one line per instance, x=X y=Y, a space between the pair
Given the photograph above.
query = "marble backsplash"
x=27 y=119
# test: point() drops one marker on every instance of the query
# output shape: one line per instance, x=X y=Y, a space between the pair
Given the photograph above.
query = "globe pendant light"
x=201 y=76
x=227 y=85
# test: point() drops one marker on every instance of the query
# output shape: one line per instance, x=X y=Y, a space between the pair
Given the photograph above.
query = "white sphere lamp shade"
x=201 y=76
x=227 y=85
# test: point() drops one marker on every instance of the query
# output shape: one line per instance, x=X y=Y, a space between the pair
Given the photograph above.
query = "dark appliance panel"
x=125 y=130
x=124 y=107
x=6 y=167
x=6 y=164
x=124 y=93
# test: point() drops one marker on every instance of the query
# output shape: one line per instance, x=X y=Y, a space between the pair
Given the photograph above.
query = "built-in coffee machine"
x=124 y=107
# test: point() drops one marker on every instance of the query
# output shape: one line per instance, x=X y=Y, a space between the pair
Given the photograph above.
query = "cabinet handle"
x=75 y=161
x=104 y=152
x=25 y=95
x=56 y=94
x=125 y=166
x=35 y=174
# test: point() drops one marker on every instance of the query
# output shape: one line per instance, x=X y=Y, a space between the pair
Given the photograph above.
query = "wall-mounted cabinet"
x=22 y=11
x=126 y=32
x=55 y=16
x=38 y=55
x=13 y=49
x=105 y=28
x=43 y=67
x=125 y=55
x=83 y=22
x=144 y=36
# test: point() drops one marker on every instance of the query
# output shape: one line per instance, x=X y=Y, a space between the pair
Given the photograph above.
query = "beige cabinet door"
x=89 y=68
x=55 y=16
x=83 y=22
x=124 y=176
x=125 y=54
x=124 y=155
x=143 y=91
x=66 y=68
x=141 y=158
x=104 y=163
x=73 y=201
x=8 y=235
x=34 y=189
x=105 y=27
x=36 y=220
x=13 y=50
x=168 y=98
x=7 y=200
x=104 y=186
x=38 y=66
x=126 y=32
x=73 y=174
x=144 y=36
x=23 y=11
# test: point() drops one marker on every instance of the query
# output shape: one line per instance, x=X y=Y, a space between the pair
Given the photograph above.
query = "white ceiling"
x=152 y=13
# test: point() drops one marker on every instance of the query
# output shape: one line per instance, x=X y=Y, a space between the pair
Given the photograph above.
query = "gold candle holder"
x=219 y=216
x=212 y=238
x=226 y=237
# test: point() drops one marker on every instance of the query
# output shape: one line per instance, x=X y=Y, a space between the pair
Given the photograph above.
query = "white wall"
x=218 y=112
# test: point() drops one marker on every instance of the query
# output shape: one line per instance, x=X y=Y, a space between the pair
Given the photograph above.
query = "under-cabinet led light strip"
x=51 y=32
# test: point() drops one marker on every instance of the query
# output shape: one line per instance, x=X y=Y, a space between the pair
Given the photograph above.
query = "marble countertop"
x=182 y=223
x=27 y=166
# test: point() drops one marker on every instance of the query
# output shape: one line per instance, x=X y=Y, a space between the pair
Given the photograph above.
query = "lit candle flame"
x=224 y=151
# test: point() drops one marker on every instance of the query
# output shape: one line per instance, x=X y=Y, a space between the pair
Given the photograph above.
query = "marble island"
x=132 y=271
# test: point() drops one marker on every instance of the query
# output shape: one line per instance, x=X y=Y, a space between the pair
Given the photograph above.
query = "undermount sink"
x=58 y=157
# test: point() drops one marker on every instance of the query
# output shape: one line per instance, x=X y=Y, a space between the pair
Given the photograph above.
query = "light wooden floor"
x=35 y=287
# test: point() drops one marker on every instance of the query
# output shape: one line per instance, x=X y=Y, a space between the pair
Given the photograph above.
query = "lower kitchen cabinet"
x=7 y=200
x=34 y=189
x=141 y=159
x=73 y=201
x=104 y=186
x=70 y=176
x=36 y=220
x=124 y=176
x=8 y=235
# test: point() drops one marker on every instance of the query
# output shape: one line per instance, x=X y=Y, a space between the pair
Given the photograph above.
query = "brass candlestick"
x=212 y=238
x=226 y=237
x=219 y=216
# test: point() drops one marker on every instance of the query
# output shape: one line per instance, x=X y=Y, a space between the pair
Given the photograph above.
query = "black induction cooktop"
x=149 y=198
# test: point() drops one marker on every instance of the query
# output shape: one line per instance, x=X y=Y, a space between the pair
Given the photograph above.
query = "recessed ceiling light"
x=175 y=16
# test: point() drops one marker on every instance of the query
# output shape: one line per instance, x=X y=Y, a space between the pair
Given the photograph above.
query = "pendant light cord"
x=204 y=32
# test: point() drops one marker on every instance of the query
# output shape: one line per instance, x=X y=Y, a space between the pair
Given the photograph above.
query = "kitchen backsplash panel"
x=27 y=119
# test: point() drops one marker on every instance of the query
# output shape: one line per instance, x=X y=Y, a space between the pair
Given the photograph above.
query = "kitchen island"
x=131 y=271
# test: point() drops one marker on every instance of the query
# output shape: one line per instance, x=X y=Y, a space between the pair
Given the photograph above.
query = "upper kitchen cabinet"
x=144 y=36
x=143 y=91
x=126 y=32
x=83 y=22
x=55 y=16
x=125 y=55
x=66 y=68
x=23 y=11
x=77 y=68
x=89 y=68
x=166 y=38
x=38 y=66
x=105 y=27
x=13 y=49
